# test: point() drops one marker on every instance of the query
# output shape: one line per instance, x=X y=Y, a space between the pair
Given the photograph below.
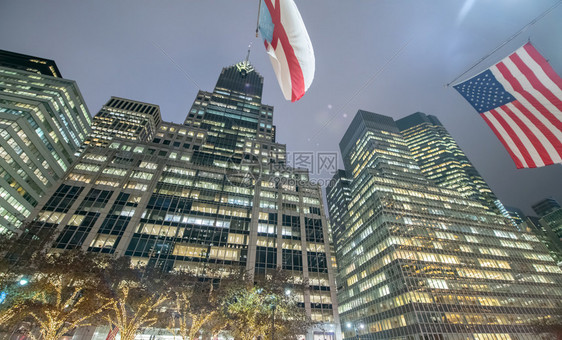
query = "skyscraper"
x=550 y=222
x=124 y=119
x=43 y=122
x=443 y=162
x=29 y=63
x=211 y=193
x=546 y=235
x=554 y=222
x=420 y=261
x=546 y=206
x=338 y=193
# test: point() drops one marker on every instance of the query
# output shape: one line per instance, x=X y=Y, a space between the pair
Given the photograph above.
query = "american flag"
x=112 y=333
x=520 y=98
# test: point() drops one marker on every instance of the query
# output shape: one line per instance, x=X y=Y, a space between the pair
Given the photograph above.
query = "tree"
x=245 y=312
x=8 y=308
x=8 y=278
x=15 y=255
x=11 y=297
x=63 y=292
x=188 y=315
x=263 y=308
x=288 y=320
x=193 y=304
x=135 y=298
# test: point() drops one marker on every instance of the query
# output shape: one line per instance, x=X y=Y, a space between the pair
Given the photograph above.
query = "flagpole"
x=543 y=14
x=248 y=55
x=258 y=22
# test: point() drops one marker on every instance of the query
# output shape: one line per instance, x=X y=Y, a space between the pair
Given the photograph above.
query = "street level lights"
x=356 y=327
x=4 y=294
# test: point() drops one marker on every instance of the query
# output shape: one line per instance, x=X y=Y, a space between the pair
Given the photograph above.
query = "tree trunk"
x=50 y=335
x=128 y=334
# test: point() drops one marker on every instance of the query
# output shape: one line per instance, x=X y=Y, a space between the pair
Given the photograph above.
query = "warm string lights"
x=61 y=308
x=131 y=312
x=187 y=321
x=7 y=314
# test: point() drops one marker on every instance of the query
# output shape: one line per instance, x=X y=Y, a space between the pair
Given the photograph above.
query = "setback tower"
x=212 y=193
x=419 y=261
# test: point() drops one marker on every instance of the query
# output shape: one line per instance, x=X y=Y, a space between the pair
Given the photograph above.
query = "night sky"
x=392 y=57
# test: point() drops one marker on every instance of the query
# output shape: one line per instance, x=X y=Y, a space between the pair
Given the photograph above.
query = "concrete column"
x=253 y=237
x=141 y=206
x=84 y=333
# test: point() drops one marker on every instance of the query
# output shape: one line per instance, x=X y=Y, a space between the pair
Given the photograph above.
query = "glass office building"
x=43 y=122
x=546 y=206
x=124 y=119
x=552 y=242
x=213 y=192
x=548 y=225
x=338 y=193
x=443 y=162
x=29 y=63
x=419 y=261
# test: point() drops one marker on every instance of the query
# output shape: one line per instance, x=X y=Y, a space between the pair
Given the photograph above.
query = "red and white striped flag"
x=112 y=333
x=520 y=98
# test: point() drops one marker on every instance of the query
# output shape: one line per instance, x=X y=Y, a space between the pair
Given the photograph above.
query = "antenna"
x=248 y=55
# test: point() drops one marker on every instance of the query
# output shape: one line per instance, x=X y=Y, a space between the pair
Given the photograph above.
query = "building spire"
x=244 y=66
x=248 y=55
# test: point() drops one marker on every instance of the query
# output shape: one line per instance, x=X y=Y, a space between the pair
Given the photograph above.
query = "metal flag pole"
x=248 y=54
x=258 y=21
x=542 y=15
